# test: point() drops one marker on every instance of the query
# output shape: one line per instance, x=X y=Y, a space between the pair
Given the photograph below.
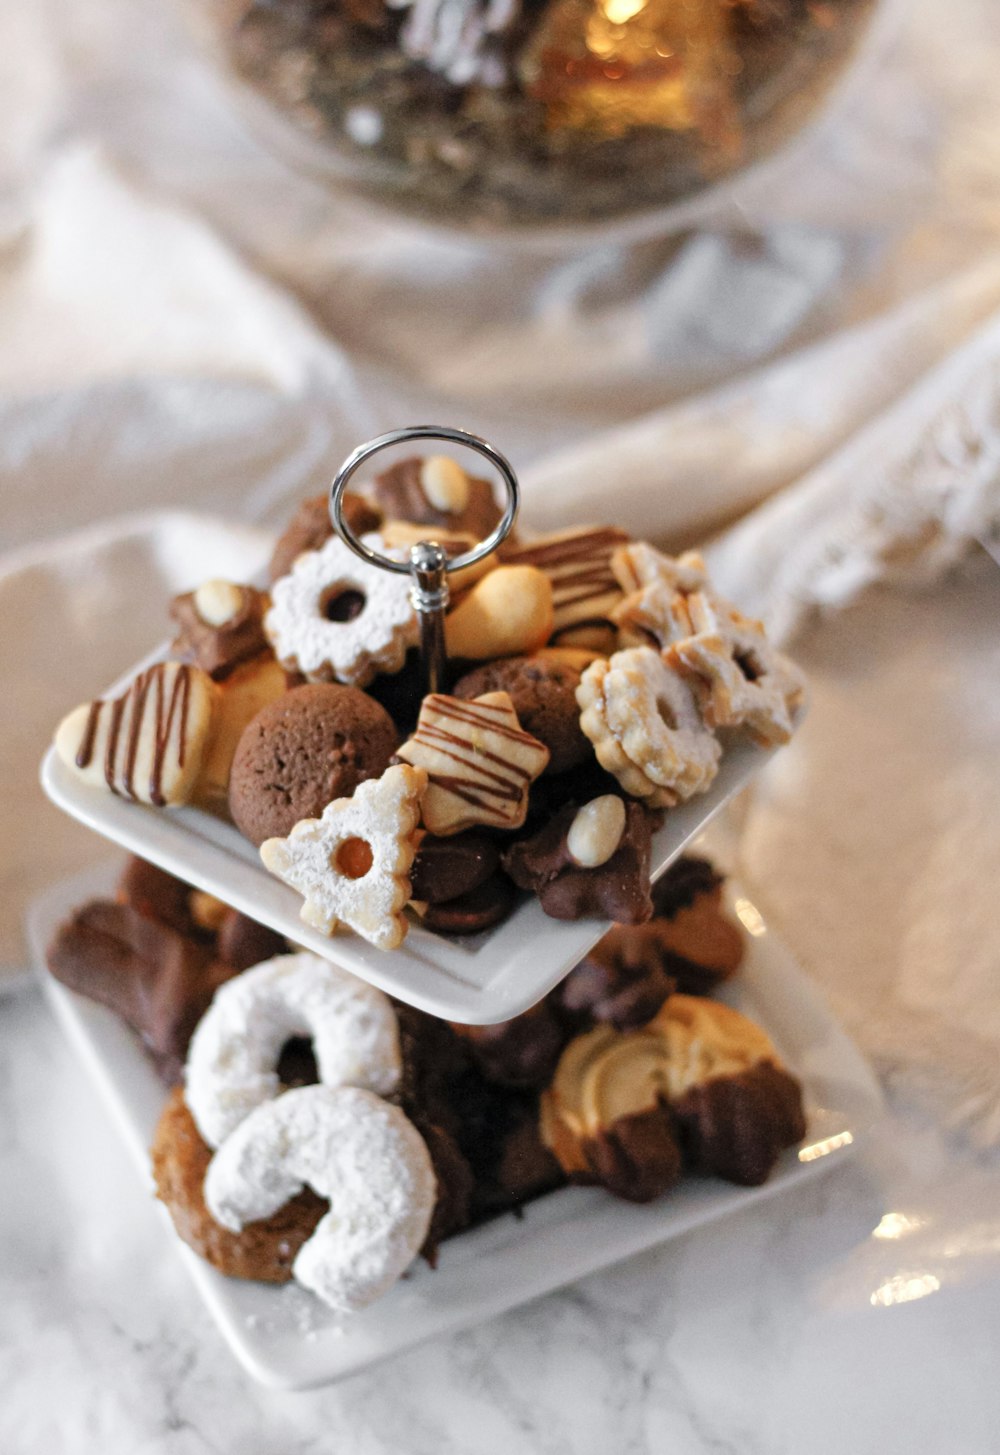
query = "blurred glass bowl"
x=532 y=116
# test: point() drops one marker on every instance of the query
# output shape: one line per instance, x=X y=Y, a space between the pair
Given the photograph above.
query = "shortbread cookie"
x=654 y=715
x=507 y=613
x=335 y=617
x=747 y=682
x=232 y=1064
x=577 y=563
x=147 y=744
x=246 y=690
x=351 y=1147
x=479 y=762
x=308 y=747
x=610 y=753
x=352 y=864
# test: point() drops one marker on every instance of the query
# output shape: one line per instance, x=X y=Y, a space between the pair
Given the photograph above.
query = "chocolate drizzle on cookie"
x=578 y=564
x=148 y=694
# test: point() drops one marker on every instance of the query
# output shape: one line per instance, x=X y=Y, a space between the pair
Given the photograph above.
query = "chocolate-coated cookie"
x=306 y=748
x=156 y=979
x=543 y=691
x=399 y=494
x=616 y=889
x=310 y=526
x=447 y=868
x=469 y=914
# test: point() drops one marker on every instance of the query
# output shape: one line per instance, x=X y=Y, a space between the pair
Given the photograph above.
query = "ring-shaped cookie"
x=335 y=617
x=653 y=713
x=348 y=1145
x=233 y=1056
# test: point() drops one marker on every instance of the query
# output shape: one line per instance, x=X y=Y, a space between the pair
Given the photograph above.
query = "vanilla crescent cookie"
x=655 y=716
x=146 y=744
x=351 y=1147
x=233 y=1057
x=745 y=681
x=352 y=864
x=335 y=617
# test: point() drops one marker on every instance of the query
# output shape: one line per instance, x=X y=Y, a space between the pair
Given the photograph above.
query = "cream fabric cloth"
x=185 y=323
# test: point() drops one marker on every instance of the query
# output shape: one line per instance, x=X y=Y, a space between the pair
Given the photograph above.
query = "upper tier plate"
x=478 y=979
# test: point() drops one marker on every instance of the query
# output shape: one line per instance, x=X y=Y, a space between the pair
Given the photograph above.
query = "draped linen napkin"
x=186 y=325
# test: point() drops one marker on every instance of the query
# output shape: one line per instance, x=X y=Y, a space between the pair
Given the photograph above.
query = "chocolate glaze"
x=579 y=566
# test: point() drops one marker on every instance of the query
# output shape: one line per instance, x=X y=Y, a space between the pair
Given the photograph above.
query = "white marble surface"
x=858 y=1314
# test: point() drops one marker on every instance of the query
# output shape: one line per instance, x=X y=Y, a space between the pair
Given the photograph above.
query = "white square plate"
x=286 y=1339
x=477 y=980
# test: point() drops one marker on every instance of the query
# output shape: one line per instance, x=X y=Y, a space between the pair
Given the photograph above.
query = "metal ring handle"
x=452 y=436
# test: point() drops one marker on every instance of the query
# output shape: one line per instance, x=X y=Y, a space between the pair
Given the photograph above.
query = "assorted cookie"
x=326 y=1134
x=595 y=683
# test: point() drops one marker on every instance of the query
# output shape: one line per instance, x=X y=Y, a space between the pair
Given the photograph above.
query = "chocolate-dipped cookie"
x=589 y=861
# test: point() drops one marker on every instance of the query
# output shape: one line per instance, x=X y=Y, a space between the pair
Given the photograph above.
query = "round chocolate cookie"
x=543 y=691
x=304 y=749
x=264 y=1250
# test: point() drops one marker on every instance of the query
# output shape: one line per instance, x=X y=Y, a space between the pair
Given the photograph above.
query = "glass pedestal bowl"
x=532 y=116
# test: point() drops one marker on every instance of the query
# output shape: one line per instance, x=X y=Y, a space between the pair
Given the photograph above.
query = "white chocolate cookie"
x=351 y=1147
x=336 y=618
x=148 y=743
x=479 y=762
x=352 y=864
x=233 y=1058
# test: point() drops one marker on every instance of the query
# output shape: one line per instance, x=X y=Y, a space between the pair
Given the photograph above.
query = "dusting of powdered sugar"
x=351 y=1147
x=351 y=651
x=233 y=1057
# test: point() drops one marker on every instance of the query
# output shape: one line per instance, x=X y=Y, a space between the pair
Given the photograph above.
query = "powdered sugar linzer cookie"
x=352 y=864
x=348 y=1145
x=336 y=617
x=233 y=1058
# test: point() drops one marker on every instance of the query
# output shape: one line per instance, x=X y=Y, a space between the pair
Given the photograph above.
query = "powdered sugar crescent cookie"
x=352 y=864
x=335 y=617
x=654 y=715
x=351 y=1147
x=746 y=681
x=233 y=1057
x=607 y=745
x=148 y=743
x=639 y=564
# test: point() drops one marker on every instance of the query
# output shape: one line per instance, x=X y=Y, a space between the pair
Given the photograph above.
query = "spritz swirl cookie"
x=745 y=681
x=335 y=617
